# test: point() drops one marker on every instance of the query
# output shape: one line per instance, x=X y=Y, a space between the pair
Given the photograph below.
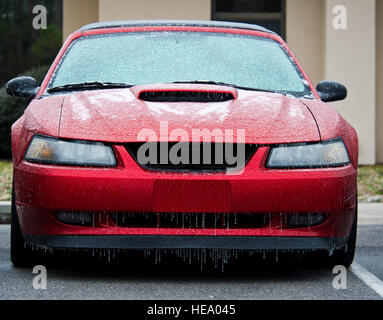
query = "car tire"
x=21 y=255
x=345 y=255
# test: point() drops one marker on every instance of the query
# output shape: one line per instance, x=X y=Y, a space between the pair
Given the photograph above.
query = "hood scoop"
x=185 y=93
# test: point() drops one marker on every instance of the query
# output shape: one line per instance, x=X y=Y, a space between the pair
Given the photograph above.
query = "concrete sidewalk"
x=369 y=213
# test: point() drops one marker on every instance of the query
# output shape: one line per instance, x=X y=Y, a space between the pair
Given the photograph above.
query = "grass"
x=370 y=182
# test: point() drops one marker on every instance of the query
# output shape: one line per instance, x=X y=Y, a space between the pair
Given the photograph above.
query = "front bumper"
x=42 y=190
x=143 y=242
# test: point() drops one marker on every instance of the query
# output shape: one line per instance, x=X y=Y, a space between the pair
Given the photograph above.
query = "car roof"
x=184 y=23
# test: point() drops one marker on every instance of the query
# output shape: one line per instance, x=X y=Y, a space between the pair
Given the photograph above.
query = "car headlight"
x=79 y=153
x=331 y=153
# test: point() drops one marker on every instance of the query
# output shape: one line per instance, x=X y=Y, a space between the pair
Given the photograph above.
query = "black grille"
x=191 y=156
x=183 y=220
x=185 y=96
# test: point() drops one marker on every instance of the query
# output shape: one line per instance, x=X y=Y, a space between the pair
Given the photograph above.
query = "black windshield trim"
x=174 y=23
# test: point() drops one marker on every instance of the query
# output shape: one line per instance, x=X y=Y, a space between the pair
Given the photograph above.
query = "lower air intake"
x=183 y=220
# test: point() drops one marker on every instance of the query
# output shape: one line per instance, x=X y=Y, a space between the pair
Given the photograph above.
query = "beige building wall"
x=305 y=34
x=154 y=9
x=379 y=81
x=77 y=13
x=350 y=58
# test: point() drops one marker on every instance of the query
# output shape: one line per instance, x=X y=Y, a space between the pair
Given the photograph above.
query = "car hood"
x=118 y=115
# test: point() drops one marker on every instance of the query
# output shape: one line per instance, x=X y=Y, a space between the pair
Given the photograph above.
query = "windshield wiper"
x=95 y=85
x=217 y=83
x=89 y=86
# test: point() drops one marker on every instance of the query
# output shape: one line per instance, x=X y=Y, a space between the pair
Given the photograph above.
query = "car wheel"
x=21 y=256
x=345 y=255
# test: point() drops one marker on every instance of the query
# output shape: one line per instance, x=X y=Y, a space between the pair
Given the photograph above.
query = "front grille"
x=191 y=220
x=191 y=156
x=185 y=96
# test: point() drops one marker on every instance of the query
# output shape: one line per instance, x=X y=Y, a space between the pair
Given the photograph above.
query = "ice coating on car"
x=265 y=117
x=181 y=56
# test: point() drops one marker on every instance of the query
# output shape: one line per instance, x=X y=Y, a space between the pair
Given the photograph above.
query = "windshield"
x=164 y=57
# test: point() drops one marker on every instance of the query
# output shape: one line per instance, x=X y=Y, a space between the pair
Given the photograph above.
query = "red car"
x=152 y=135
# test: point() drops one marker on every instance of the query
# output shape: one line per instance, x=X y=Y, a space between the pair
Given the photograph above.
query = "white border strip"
x=368 y=278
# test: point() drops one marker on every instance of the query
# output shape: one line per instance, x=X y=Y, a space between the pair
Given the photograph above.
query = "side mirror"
x=331 y=91
x=24 y=87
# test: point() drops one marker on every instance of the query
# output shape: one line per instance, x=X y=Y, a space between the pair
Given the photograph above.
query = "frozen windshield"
x=163 y=57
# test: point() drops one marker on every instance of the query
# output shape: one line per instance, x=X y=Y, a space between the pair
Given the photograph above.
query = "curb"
x=370 y=213
x=5 y=212
x=5 y=207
